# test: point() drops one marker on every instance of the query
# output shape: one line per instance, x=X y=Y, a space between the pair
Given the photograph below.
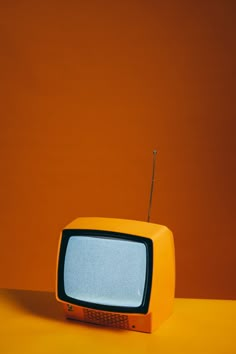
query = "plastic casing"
x=163 y=276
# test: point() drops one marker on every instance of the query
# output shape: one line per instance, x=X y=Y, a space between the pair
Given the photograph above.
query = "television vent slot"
x=106 y=319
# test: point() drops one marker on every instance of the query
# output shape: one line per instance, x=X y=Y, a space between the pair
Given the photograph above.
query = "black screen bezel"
x=67 y=233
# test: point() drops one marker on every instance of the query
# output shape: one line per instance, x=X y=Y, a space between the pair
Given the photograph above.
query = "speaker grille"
x=106 y=319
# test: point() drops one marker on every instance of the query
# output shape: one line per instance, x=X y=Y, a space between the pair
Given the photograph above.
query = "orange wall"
x=89 y=88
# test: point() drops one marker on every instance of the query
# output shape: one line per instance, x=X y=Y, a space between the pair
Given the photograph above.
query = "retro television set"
x=116 y=272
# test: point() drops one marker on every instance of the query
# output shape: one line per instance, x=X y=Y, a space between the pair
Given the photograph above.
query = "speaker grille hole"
x=106 y=319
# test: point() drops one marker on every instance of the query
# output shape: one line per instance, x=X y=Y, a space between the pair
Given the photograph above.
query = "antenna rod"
x=152 y=184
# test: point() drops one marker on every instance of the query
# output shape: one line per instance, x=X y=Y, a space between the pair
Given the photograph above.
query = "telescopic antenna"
x=152 y=184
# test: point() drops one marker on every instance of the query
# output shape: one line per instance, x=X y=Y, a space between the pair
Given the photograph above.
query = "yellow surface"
x=33 y=322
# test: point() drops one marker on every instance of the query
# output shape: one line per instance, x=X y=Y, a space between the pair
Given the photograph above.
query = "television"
x=116 y=272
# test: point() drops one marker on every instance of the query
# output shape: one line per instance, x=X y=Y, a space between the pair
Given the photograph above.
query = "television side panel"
x=57 y=267
x=163 y=282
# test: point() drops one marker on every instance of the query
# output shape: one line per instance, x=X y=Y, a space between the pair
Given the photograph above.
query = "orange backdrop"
x=89 y=88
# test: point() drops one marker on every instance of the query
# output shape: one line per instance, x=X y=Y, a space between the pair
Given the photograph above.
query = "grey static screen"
x=105 y=271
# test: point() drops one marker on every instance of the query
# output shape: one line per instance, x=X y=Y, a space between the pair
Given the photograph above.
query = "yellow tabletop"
x=33 y=322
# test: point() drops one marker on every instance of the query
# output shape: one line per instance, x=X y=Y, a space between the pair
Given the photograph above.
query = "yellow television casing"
x=163 y=276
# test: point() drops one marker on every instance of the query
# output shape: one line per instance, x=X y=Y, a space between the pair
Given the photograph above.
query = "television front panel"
x=106 y=272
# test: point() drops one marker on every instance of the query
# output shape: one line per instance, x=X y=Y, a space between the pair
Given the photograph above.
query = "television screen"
x=105 y=269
